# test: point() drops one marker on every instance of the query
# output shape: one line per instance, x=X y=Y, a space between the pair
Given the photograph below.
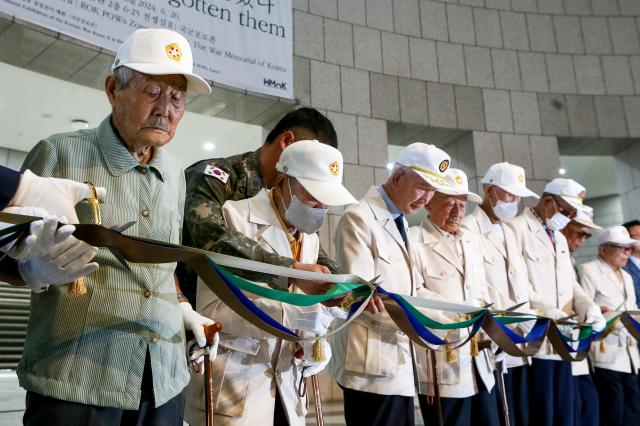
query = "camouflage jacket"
x=210 y=183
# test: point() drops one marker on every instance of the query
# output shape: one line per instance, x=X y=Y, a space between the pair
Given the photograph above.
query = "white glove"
x=595 y=317
x=311 y=367
x=555 y=314
x=23 y=248
x=526 y=326
x=58 y=196
x=195 y=322
x=314 y=319
x=57 y=258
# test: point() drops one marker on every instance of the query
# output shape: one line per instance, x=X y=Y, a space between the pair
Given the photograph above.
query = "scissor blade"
x=122 y=228
x=515 y=307
x=120 y=258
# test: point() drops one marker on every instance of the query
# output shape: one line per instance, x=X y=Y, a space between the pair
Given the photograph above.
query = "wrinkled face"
x=614 y=255
x=447 y=211
x=554 y=203
x=576 y=234
x=634 y=232
x=496 y=193
x=148 y=110
x=410 y=192
x=284 y=182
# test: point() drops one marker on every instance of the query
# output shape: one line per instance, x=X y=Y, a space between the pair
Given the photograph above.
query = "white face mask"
x=557 y=221
x=505 y=211
x=306 y=219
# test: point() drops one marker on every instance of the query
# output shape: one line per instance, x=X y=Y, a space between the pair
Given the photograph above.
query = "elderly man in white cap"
x=504 y=186
x=372 y=361
x=616 y=358
x=115 y=355
x=587 y=405
x=448 y=261
x=555 y=293
x=257 y=376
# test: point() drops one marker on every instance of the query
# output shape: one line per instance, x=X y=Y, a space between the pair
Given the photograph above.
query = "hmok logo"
x=282 y=85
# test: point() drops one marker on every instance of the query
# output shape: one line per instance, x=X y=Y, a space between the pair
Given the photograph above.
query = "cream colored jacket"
x=600 y=283
x=370 y=354
x=459 y=281
x=505 y=268
x=251 y=365
x=551 y=275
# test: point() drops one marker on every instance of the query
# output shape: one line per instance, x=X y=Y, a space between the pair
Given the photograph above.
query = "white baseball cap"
x=318 y=167
x=458 y=184
x=510 y=178
x=617 y=235
x=570 y=191
x=428 y=161
x=585 y=217
x=157 y=51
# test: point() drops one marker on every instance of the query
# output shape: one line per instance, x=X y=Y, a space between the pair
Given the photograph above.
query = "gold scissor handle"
x=94 y=203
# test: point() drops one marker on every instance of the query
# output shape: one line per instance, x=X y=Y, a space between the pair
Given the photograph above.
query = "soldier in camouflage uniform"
x=210 y=183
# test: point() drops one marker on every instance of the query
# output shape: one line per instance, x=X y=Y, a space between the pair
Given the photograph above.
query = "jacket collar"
x=432 y=235
x=384 y=217
x=485 y=226
x=116 y=156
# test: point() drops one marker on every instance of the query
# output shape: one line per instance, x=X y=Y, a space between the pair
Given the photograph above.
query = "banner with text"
x=246 y=44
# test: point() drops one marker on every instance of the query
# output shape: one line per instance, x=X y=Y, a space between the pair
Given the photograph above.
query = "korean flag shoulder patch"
x=217 y=173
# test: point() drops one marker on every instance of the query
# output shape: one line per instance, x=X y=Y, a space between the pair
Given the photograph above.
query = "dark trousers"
x=516 y=383
x=480 y=409
x=551 y=393
x=619 y=397
x=280 y=414
x=587 y=407
x=371 y=409
x=46 y=411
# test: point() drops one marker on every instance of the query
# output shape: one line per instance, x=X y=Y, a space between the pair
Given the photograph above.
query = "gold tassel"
x=603 y=347
x=474 y=346
x=78 y=287
x=452 y=356
x=317 y=352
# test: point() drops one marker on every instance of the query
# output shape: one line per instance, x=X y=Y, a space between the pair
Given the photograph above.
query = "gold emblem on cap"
x=173 y=52
x=458 y=180
x=521 y=178
x=334 y=168
x=443 y=166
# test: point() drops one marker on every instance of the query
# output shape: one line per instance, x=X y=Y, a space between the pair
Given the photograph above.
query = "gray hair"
x=123 y=76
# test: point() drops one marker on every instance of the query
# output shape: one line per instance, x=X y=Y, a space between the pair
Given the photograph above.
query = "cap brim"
x=627 y=242
x=195 y=83
x=586 y=222
x=328 y=193
x=521 y=192
x=436 y=182
x=471 y=196
x=574 y=202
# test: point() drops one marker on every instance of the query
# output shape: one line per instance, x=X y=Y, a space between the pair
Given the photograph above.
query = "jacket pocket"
x=231 y=373
x=372 y=350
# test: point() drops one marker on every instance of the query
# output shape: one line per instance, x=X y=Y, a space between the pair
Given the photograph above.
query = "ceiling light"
x=389 y=166
x=208 y=146
x=79 y=124
x=562 y=171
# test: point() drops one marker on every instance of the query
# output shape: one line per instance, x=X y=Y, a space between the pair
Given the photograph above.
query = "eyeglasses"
x=564 y=208
x=584 y=235
x=620 y=248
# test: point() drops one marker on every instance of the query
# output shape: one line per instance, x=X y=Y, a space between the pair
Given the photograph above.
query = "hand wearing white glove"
x=595 y=317
x=56 y=257
x=195 y=322
x=526 y=326
x=314 y=319
x=555 y=313
x=58 y=196
x=311 y=367
x=22 y=249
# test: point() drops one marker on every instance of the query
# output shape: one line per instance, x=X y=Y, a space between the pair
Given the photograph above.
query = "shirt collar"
x=118 y=159
x=395 y=212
